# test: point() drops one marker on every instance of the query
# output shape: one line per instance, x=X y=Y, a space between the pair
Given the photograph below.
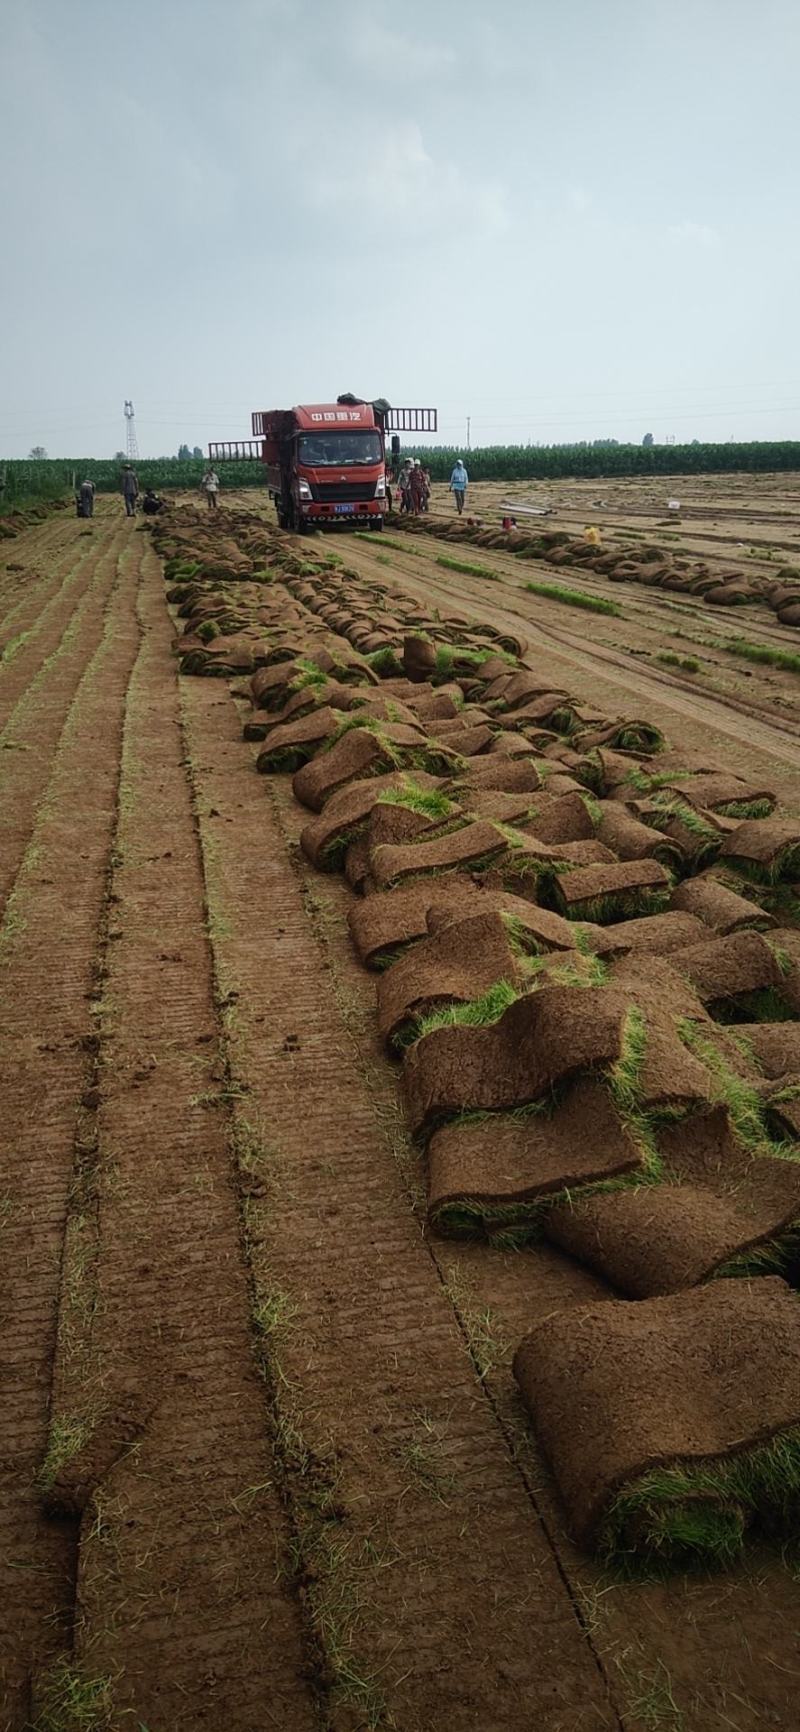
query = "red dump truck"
x=325 y=463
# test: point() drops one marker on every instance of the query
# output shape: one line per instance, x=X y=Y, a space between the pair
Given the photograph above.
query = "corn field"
x=40 y=479
x=55 y=478
x=534 y=462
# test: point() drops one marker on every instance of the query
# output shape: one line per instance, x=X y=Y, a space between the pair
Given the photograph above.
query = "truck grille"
x=341 y=492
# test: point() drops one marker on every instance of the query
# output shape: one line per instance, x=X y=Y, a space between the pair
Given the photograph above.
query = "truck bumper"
x=326 y=516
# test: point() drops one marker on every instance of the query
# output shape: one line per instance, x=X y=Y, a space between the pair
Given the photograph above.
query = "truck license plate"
x=343 y=509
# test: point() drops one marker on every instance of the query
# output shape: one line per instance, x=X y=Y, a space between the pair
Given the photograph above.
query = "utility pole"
x=131 y=447
x=469 y=418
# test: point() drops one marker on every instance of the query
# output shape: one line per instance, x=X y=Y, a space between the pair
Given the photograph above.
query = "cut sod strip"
x=542 y=1039
x=766 y=850
x=494 y=1175
x=673 y=1424
x=719 y=1210
x=326 y=839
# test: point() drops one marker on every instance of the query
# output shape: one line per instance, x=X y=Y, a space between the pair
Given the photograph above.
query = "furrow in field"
x=30 y=637
x=47 y=956
x=185 y=1591
x=31 y=736
x=434 y=1590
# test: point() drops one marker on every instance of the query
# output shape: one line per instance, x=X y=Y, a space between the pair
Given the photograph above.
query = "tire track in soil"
x=47 y=955
x=30 y=739
x=434 y=1589
x=184 y=1598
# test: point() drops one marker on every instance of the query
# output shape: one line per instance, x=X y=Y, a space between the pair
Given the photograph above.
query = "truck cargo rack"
x=235 y=451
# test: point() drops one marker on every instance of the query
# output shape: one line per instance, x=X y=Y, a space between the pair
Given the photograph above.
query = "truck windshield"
x=336 y=450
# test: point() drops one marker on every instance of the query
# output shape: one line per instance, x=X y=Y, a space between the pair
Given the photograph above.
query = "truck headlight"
x=380 y=488
x=303 y=489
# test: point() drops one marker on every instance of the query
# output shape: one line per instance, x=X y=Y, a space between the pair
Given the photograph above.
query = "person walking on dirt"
x=87 y=498
x=426 y=482
x=459 y=482
x=130 y=490
x=210 y=485
x=416 y=485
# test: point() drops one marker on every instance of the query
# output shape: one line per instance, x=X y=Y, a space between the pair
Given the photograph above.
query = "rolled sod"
x=718 y=906
x=456 y=965
x=720 y=1210
x=605 y=893
x=775 y=1046
x=560 y=818
x=221 y=657
x=726 y=972
x=671 y=1424
x=651 y=935
x=540 y=1040
x=368 y=751
x=627 y=736
x=473 y=845
x=730 y=795
x=508 y=775
x=497 y=1174
x=630 y=839
x=290 y=744
x=766 y=849
x=325 y=839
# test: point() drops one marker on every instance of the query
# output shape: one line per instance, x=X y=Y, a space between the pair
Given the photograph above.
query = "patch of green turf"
x=575 y=598
x=690 y=664
x=469 y=570
x=762 y=652
x=386 y=541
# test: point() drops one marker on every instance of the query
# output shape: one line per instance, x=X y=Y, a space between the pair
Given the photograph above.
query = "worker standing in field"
x=402 y=483
x=459 y=482
x=130 y=490
x=87 y=498
x=416 y=484
x=210 y=485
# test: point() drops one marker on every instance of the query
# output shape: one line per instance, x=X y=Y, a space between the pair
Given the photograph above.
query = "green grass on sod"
x=697 y=1512
x=575 y=598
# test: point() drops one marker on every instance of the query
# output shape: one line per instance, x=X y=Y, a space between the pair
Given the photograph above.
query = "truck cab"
x=326 y=463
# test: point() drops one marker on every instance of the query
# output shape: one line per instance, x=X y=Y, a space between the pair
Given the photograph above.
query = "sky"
x=563 y=219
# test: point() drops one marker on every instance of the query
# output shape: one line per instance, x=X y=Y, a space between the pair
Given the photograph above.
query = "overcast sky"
x=564 y=218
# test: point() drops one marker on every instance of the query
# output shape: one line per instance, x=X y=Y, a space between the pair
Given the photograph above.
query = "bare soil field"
x=265 y=1460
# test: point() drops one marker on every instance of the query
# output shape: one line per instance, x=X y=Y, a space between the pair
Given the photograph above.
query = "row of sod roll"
x=585 y=944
